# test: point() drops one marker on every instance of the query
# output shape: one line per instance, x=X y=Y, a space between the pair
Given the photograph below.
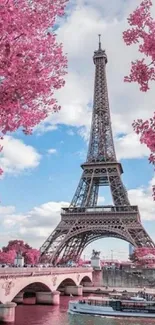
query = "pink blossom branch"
x=143 y=33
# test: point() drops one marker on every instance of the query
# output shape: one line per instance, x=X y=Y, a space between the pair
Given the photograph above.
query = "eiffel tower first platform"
x=84 y=221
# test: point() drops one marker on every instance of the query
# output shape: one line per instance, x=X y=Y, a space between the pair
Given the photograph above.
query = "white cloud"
x=128 y=147
x=33 y=226
x=72 y=98
x=52 y=151
x=12 y=220
x=6 y=210
x=143 y=198
x=17 y=156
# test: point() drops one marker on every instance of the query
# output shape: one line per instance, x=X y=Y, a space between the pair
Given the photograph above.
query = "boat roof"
x=115 y=294
x=123 y=300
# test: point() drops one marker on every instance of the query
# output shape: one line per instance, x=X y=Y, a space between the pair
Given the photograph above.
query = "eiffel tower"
x=84 y=221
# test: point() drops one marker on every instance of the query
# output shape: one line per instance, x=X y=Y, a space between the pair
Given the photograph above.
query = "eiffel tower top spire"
x=99 y=35
x=101 y=146
x=100 y=53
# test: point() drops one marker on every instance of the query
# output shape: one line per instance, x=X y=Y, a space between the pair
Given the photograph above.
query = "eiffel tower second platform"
x=84 y=220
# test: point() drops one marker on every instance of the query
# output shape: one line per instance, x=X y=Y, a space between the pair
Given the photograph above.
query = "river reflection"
x=57 y=315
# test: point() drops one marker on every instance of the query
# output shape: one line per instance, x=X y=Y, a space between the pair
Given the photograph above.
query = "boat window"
x=97 y=303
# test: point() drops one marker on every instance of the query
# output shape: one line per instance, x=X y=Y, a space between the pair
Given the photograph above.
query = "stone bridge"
x=45 y=282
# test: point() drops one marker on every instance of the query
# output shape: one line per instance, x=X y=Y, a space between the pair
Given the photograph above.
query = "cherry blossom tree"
x=142 y=32
x=32 y=256
x=9 y=252
x=7 y=257
x=144 y=256
x=32 y=64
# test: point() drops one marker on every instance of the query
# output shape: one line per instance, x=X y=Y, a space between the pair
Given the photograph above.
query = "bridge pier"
x=7 y=312
x=98 y=278
x=48 y=298
x=74 y=290
x=19 y=298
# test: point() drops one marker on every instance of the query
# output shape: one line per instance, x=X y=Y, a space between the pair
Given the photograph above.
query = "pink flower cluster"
x=146 y=129
x=7 y=257
x=8 y=253
x=142 y=32
x=141 y=73
x=32 y=64
x=144 y=255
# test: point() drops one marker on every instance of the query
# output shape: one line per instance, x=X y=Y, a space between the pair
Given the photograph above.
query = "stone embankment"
x=105 y=291
x=131 y=278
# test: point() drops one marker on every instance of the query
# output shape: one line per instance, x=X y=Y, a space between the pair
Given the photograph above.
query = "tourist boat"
x=113 y=307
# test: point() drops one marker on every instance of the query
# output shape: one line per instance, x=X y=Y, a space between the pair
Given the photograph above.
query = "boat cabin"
x=121 y=305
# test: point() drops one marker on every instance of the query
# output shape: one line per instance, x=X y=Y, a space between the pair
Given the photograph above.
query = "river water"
x=57 y=315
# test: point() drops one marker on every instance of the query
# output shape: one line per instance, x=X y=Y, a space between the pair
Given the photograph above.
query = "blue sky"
x=42 y=171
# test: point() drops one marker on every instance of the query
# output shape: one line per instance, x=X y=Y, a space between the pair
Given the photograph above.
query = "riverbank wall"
x=124 y=278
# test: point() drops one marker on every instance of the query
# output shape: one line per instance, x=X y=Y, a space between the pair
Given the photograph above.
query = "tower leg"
x=54 y=240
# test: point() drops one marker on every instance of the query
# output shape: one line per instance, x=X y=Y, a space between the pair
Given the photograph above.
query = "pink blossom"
x=141 y=14
x=141 y=73
x=7 y=257
x=32 y=256
x=131 y=36
x=142 y=31
x=142 y=255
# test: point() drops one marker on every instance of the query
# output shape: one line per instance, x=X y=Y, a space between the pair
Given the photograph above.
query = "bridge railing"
x=34 y=271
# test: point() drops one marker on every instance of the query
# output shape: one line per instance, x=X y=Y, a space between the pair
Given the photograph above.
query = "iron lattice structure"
x=84 y=221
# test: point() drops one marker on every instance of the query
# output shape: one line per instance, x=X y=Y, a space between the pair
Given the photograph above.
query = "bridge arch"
x=35 y=287
x=25 y=283
x=66 y=282
x=85 y=279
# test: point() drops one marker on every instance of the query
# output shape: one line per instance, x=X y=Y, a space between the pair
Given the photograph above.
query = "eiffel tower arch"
x=84 y=221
